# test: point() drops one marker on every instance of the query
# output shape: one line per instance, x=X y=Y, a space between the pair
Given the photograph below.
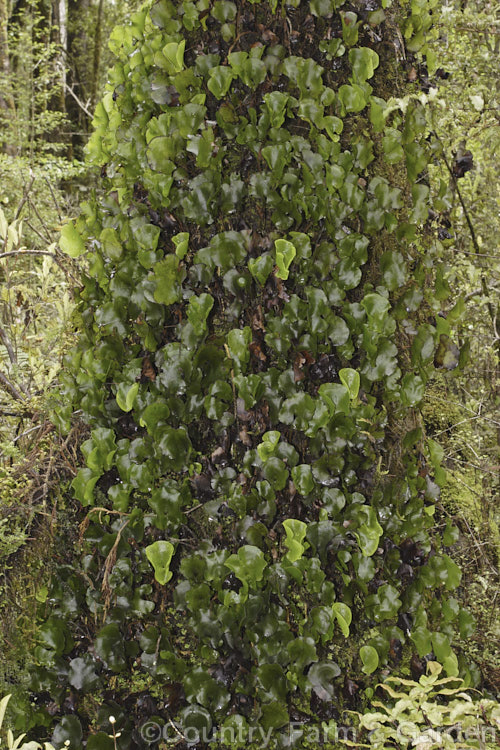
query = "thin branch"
x=19 y=415
x=54 y=199
x=78 y=101
x=55 y=257
x=462 y=203
x=10 y=388
x=475 y=293
x=28 y=432
x=457 y=424
x=28 y=252
x=40 y=218
x=7 y=343
x=37 y=232
x=25 y=197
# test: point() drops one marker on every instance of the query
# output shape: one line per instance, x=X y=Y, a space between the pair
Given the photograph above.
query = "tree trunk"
x=248 y=366
x=94 y=84
x=78 y=73
x=7 y=104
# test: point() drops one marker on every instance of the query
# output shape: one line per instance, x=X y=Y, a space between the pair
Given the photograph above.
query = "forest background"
x=54 y=58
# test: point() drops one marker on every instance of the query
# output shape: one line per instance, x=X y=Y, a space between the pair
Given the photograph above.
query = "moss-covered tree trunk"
x=250 y=367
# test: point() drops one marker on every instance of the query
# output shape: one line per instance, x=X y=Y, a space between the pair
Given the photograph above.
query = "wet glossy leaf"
x=302 y=652
x=353 y=98
x=109 y=646
x=83 y=486
x=303 y=479
x=376 y=308
x=199 y=686
x=447 y=571
x=447 y=354
x=111 y=244
x=350 y=25
x=421 y=637
x=343 y=616
x=248 y=565
x=261 y=267
x=321 y=677
x=351 y=380
x=168 y=277
x=54 y=635
x=391 y=143
x=175 y=446
x=68 y=732
x=285 y=253
x=160 y=555
x=199 y=310
x=238 y=341
x=253 y=72
x=369 y=657
x=267 y=447
x=369 y=531
x=295 y=535
x=467 y=623
x=336 y=397
x=412 y=389
x=181 y=242
x=126 y=395
x=154 y=415
x=196 y=721
x=274 y=715
x=276 y=473
x=393 y=267
x=276 y=103
x=388 y=603
x=272 y=681
x=174 y=56
x=71 y=241
x=364 y=61
x=220 y=80
x=82 y=674
x=250 y=389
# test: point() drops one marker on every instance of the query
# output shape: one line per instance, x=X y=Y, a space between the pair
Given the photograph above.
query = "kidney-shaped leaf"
x=369 y=657
x=321 y=676
x=364 y=61
x=159 y=555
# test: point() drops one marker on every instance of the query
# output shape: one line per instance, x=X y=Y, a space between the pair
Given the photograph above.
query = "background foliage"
x=118 y=460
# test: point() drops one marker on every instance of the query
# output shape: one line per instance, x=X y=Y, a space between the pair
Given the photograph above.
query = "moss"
x=18 y=607
x=468 y=497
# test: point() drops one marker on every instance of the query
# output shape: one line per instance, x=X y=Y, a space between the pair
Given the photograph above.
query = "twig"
x=40 y=218
x=54 y=199
x=25 y=197
x=27 y=432
x=28 y=252
x=176 y=729
x=10 y=388
x=54 y=256
x=37 y=231
x=77 y=100
x=196 y=507
x=6 y=342
x=110 y=563
x=19 y=415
